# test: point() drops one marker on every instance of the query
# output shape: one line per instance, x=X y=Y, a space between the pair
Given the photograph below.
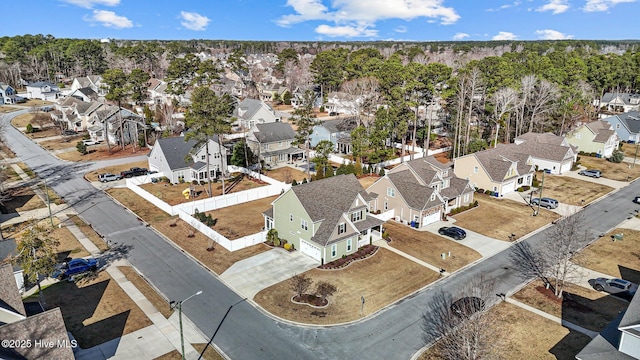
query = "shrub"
x=617 y=156
x=294 y=182
x=82 y=148
x=520 y=189
x=385 y=235
x=488 y=192
x=29 y=128
x=381 y=172
x=535 y=183
x=287 y=246
x=592 y=154
x=480 y=191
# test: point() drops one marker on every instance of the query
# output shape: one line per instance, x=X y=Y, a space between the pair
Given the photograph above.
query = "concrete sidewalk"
x=384 y=244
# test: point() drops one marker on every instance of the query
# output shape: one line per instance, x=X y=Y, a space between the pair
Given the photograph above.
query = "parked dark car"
x=75 y=267
x=615 y=286
x=545 y=202
x=69 y=132
x=134 y=171
x=636 y=199
x=467 y=306
x=592 y=173
x=453 y=232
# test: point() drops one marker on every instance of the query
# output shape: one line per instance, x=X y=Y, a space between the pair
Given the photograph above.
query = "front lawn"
x=101 y=152
x=381 y=279
x=428 y=247
x=570 y=190
x=499 y=218
x=615 y=171
x=587 y=308
x=616 y=258
x=116 y=169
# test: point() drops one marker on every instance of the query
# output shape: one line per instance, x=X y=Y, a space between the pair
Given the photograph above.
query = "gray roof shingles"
x=272 y=132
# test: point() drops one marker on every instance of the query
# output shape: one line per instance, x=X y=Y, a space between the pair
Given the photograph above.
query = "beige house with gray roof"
x=594 y=137
x=421 y=191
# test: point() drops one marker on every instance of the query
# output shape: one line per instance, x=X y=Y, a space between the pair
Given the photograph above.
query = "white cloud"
x=89 y=4
x=194 y=21
x=548 y=34
x=603 y=5
x=504 y=35
x=357 y=13
x=460 y=36
x=400 y=29
x=506 y=6
x=555 y=6
x=109 y=19
x=346 y=31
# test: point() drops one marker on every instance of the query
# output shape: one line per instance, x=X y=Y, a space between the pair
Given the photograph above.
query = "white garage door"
x=430 y=219
x=311 y=250
x=565 y=168
x=508 y=187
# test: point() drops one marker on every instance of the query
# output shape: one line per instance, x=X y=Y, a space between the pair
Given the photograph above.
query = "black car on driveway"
x=453 y=232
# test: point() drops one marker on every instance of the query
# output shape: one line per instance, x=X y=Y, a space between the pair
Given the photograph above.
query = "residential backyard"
x=428 y=247
x=395 y=277
x=286 y=174
x=234 y=222
x=570 y=190
x=504 y=217
x=617 y=258
x=367 y=181
x=615 y=171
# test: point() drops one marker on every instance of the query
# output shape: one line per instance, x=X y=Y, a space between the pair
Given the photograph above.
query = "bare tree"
x=325 y=289
x=527 y=86
x=462 y=326
x=300 y=284
x=365 y=93
x=542 y=100
x=505 y=101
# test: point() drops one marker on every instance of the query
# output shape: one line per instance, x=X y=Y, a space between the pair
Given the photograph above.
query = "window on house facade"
x=342 y=228
x=349 y=244
x=445 y=183
x=578 y=136
x=356 y=216
x=617 y=126
x=281 y=157
x=466 y=198
x=180 y=175
x=303 y=224
x=433 y=197
x=386 y=205
x=203 y=157
x=391 y=192
x=290 y=217
x=475 y=169
x=334 y=250
x=266 y=146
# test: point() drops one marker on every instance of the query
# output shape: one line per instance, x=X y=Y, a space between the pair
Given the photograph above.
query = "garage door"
x=508 y=187
x=311 y=250
x=430 y=219
x=566 y=167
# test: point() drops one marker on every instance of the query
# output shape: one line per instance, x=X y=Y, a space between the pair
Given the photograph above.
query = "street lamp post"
x=179 y=306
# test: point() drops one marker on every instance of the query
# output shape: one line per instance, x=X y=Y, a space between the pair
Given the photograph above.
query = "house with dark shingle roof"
x=421 y=191
x=9 y=94
x=84 y=94
x=619 y=102
x=104 y=124
x=620 y=340
x=251 y=111
x=548 y=151
x=501 y=169
x=273 y=143
x=626 y=126
x=338 y=131
x=594 y=137
x=43 y=90
x=325 y=219
x=47 y=326
x=176 y=159
x=91 y=81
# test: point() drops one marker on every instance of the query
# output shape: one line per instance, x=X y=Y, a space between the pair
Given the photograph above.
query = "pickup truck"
x=108 y=177
x=75 y=267
x=134 y=171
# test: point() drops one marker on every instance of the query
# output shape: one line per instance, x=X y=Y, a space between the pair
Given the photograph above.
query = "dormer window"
x=356 y=216
x=433 y=197
x=342 y=228
x=445 y=183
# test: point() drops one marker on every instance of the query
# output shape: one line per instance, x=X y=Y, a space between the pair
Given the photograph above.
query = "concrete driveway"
x=258 y=272
x=604 y=181
x=562 y=209
x=485 y=245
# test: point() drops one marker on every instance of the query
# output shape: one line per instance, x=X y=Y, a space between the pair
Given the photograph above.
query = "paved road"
x=247 y=332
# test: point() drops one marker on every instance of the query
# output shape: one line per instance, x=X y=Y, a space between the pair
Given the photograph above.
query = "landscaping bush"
x=480 y=190
x=205 y=218
x=82 y=148
x=361 y=253
x=535 y=183
x=29 y=128
x=287 y=247
x=488 y=192
x=617 y=156
x=381 y=172
x=463 y=208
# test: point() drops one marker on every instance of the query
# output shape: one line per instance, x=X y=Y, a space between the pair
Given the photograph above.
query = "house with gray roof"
x=501 y=169
x=91 y=81
x=597 y=137
x=103 y=124
x=273 y=143
x=620 y=340
x=626 y=126
x=84 y=94
x=251 y=111
x=9 y=94
x=181 y=161
x=547 y=151
x=618 y=102
x=421 y=191
x=43 y=90
x=15 y=324
x=325 y=219
x=338 y=131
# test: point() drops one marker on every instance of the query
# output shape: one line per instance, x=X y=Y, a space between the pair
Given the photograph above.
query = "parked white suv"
x=106 y=177
x=548 y=203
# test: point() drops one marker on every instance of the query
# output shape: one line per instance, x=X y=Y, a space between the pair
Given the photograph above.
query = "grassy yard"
x=147 y=290
x=101 y=152
x=95 y=310
x=89 y=233
x=368 y=180
x=506 y=217
x=395 y=277
x=172 y=194
x=522 y=334
x=614 y=171
x=241 y=220
x=67 y=142
x=572 y=191
x=286 y=174
x=23 y=199
x=428 y=247
x=177 y=230
x=7 y=109
x=588 y=308
x=629 y=150
x=616 y=258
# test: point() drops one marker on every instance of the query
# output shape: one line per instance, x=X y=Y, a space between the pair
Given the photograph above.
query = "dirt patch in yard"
x=178 y=231
x=584 y=307
x=101 y=152
x=147 y=290
x=615 y=171
x=572 y=191
x=368 y=180
x=428 y=247
x=286 y=174
x=630 y=150
x=396 y=277
x=499 y=218
x=234 y=222
x=209 y=354
x=617 y=258
x=95 y=310
x=172 y=194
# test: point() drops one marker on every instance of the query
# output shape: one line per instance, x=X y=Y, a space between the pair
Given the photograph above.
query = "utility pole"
x=540 y=195
x=46 y=191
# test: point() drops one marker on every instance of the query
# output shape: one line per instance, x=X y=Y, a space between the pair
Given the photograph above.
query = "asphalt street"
x=248 y=332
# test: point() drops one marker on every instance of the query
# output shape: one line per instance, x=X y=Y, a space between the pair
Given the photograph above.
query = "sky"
x=328 y=20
